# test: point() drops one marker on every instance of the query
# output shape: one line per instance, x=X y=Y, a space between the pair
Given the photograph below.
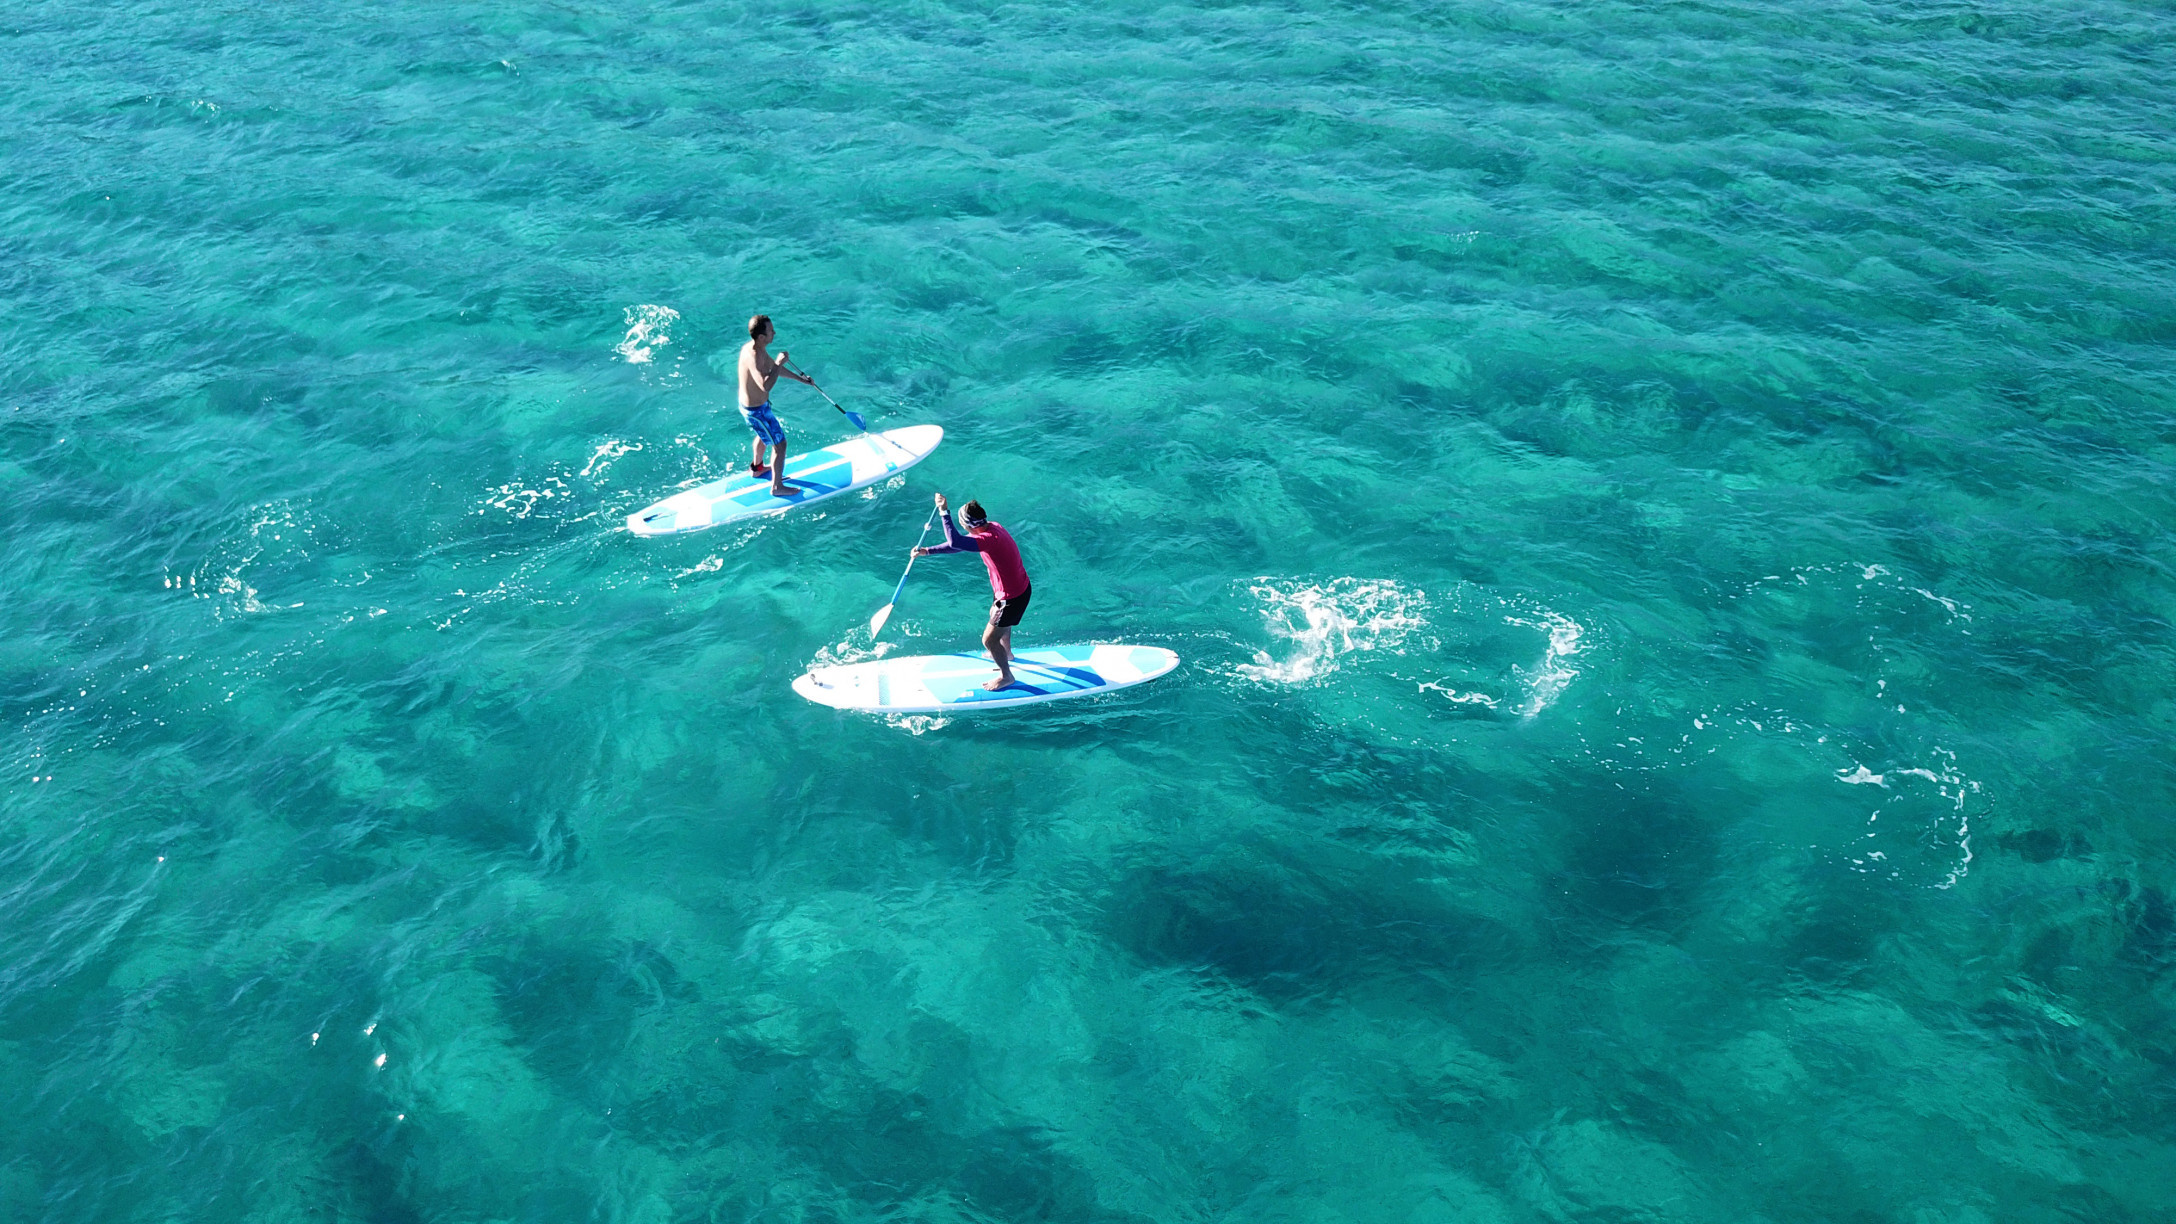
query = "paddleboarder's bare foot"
x=1002 y=682
x=779 y=490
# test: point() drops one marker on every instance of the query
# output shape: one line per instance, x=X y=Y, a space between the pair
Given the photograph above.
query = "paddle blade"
x=876 y=623
x=855 y=417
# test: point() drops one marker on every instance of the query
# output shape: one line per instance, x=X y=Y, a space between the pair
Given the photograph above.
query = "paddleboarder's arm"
x=764 y=370
x=953 y=541
x=778 y=367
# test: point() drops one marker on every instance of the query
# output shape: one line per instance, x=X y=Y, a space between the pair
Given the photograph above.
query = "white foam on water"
x=1319 y=624
x=1867 y=573
x=604 y=455
x=1953 y=607
x=848 y=650
x=242 y=596
x=279 y=528
x=648 y=330
x=1950 y=783
x=1457 y=698
x=1548 y=679
x=519 y=500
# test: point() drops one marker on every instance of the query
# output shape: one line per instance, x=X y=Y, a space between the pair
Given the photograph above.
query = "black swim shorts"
x=1007 y=612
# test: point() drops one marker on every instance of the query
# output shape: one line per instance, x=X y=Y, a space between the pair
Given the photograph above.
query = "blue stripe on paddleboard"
x=1081 y=677
x=806 y=487
x=1088 y=677
x=804 y=475
x=1070 y=680
x=1015 y=689
x=754 y=483
x=762 y=490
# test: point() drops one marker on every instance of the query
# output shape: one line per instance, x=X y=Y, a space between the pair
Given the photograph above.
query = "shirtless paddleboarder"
x=759 y=372
x=1008 y=578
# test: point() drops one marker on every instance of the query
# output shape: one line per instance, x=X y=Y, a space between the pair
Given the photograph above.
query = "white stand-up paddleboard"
x=839 y=468
x=929 y=684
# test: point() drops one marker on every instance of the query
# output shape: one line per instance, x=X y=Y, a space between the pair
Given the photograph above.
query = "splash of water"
x=277 y=530
x=1548 y=679
x=1455 y=696
x=648 y=330
x=1322 y=623
x=519 y=500
x=1950 y=829
x=603 y=456
x=850 y=650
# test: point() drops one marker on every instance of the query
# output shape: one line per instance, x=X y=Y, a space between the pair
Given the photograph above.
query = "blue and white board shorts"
x=763 y=423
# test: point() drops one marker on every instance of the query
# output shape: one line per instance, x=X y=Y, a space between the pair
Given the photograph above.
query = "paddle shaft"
x=876 y=623
x=854 y=417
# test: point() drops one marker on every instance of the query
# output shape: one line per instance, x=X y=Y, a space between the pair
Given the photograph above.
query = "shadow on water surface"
x=889 y=1153
x=1302 y=934
x=883 y=1146
x=574 y=1009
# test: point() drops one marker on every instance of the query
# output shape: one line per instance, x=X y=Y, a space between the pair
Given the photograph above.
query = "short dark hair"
x=973 y=512
x=758 y=325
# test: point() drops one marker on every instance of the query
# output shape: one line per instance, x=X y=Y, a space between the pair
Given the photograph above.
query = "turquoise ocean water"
x=1666 y=510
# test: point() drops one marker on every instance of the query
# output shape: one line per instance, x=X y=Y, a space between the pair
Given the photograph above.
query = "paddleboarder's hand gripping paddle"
x=855 y=417
x=876 y=623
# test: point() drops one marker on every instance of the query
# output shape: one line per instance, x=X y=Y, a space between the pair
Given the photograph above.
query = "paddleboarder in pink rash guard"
x=1008 y=578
